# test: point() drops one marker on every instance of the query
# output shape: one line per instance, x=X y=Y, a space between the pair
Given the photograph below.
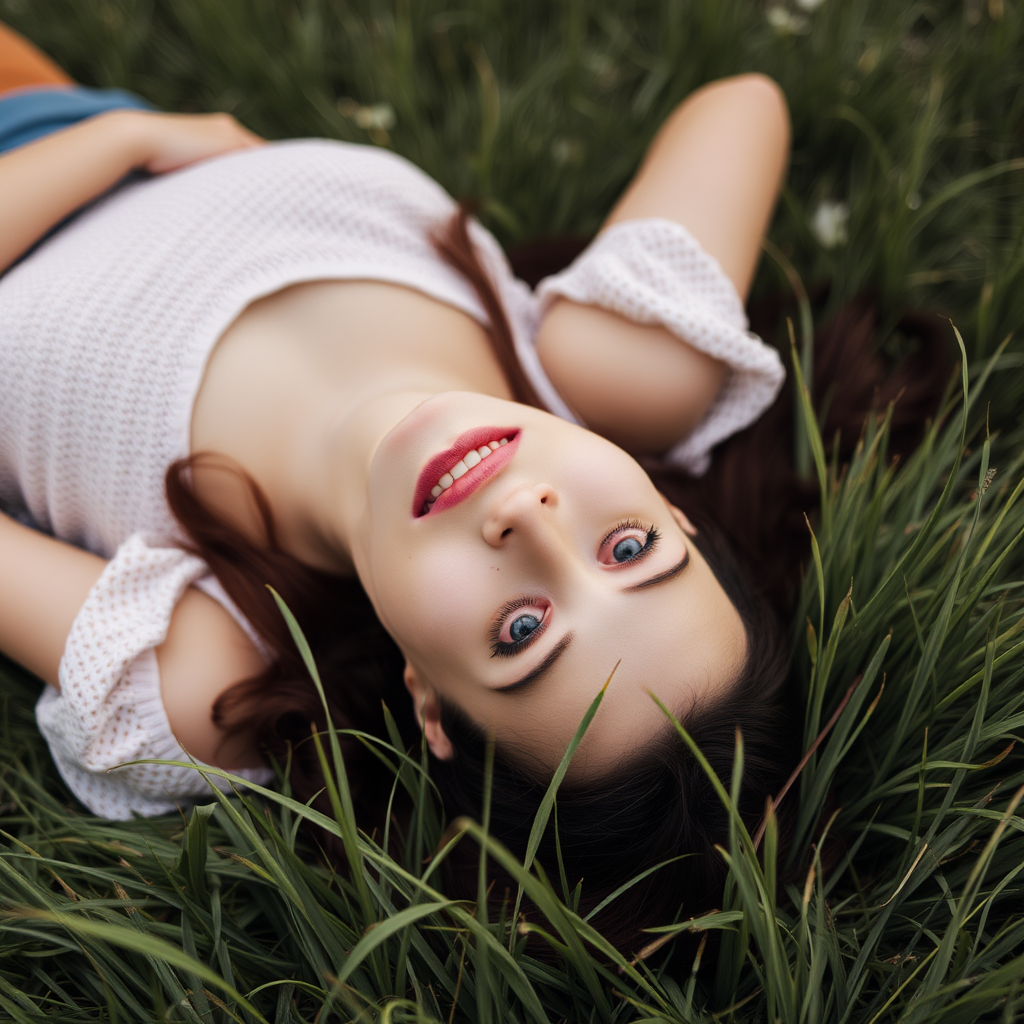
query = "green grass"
x=908 y=113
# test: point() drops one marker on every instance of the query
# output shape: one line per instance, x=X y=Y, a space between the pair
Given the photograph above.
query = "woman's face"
x=546 y=567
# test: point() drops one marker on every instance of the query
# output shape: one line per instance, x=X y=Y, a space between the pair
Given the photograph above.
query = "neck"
x=329 y=478
x=302 y=404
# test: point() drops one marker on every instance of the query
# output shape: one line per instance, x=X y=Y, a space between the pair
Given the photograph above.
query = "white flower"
x=381 y=116
x=808 y=5
x=377 y=118
x=828 y=223
x=567 y=151
x=786 y=23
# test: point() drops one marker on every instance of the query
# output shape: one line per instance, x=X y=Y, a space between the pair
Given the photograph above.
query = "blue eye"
x=627 y=549
x=518 y=625
x=522 y=627
x=629 y=542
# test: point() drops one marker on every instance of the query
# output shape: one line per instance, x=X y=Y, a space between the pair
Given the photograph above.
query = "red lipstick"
x=473 y=478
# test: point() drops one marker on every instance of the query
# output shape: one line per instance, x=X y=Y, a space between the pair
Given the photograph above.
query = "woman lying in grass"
x=300 y=365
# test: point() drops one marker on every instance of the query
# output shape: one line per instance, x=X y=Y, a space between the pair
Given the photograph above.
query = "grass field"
x=907 y=180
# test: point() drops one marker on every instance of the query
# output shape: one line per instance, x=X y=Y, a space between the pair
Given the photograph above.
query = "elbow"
x=761 y=104
x=763 y=97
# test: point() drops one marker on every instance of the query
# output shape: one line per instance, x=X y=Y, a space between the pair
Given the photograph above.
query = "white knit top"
x=104 y=336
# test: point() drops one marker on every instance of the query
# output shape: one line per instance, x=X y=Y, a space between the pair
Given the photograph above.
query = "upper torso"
x=109 y=328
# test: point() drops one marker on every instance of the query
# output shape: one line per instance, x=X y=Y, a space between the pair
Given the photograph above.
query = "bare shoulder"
x=205 y=653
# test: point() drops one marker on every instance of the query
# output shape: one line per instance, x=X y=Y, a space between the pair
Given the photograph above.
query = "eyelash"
x=652 y=532
x=503 y=649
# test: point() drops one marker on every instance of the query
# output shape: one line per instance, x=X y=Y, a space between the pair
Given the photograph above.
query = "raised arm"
x=44 y=181
x=716 y=167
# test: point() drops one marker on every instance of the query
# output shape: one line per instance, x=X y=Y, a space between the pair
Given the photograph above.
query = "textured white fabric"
x=109 y=709
x=105 y=332
x=654 y=272
x=108 y=327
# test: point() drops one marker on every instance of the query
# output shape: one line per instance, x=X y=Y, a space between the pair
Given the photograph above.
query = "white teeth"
x=469 y=460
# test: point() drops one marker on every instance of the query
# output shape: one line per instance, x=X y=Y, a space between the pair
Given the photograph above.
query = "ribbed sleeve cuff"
x=109 y=709
x=655 y=272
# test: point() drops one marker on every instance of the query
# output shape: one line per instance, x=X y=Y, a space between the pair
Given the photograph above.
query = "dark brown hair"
x=752 y=490
x=355 y=656
x=660 y=795
x=657 y=806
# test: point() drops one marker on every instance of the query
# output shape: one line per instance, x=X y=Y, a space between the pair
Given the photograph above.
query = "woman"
x=337 y=409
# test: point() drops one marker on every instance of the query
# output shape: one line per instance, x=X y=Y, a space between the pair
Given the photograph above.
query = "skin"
x=544 y=531
x=333 y=395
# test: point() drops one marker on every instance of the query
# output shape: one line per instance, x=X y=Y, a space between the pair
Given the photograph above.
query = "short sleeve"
x=654 y=271
x=109 y=709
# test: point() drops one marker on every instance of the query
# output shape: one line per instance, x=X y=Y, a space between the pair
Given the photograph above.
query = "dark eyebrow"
x=662 y=577
x=556 y=652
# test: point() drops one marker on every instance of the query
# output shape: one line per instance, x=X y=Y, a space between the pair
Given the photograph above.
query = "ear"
x=680 y=517
x=427 y=708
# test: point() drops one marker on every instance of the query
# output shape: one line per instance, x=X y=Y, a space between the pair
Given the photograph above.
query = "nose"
x=527 y=512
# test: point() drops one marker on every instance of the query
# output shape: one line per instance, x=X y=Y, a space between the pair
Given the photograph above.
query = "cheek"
x=603 y=480
x=436 y=603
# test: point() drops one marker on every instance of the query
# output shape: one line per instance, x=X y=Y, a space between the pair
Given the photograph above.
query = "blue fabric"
x=28 y=114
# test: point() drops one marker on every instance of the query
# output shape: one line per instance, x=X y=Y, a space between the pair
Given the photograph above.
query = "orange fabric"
x=23 y=64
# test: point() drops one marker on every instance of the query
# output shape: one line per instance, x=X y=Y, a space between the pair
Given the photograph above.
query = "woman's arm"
x=716 y=167
x=43 y=585
x=44 y=181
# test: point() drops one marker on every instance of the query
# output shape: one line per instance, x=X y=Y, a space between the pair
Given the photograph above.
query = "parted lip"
x=468 y=483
